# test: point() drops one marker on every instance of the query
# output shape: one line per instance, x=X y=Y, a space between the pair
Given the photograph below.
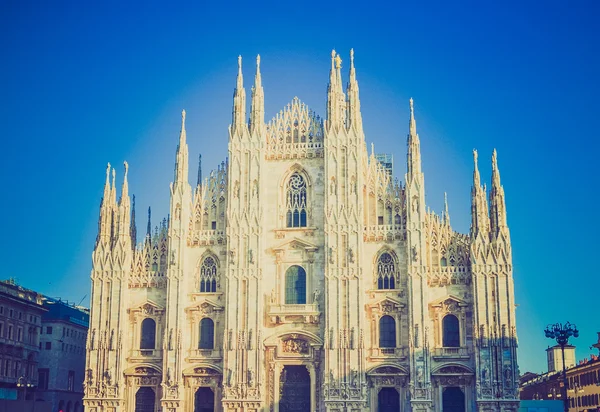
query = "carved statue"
x=273 y=295
x=316 y=295
x=250 y=256
x=350 y=255
x=332 y=251
x=354 y=377
x=250 y=377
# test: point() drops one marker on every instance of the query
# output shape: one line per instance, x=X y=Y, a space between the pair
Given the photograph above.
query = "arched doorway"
x=388 y=400
x=204 y=400
x=294 y=387
x=144 y=399
x=453 y=399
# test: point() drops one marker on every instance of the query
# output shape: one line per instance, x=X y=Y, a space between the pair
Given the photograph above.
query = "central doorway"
x=294 y=389
x=388 y=400
x=204 y=401
x=453 y=399
x=144 y=399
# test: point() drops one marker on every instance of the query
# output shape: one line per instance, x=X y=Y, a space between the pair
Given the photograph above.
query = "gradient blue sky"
x=84 y=83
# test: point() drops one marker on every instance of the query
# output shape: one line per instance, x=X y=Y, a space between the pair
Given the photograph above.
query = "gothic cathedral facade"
x=299 y=276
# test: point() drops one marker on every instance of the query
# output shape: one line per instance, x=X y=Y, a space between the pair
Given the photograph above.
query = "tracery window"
x=207 y=334
x=148 y=335
x=295 y=201
x=450 y=332
x=387 y=332
x=208 y=275
x=386 y=272
x=295 y=286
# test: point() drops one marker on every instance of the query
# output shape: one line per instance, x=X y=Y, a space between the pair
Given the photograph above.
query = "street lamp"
x=24 y=383
x=562 y=333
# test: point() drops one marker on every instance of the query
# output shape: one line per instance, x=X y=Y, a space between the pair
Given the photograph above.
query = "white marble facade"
x=300 y=277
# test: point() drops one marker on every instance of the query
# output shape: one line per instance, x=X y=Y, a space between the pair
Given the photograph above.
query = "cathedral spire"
x=133 y=228
x=414 y=146
x=479 y=207
x=181 y=158
x=354 y=116
x=239 y=101
x=257 y=117
x=497 y=201
x=446 y=213
x=149 y=225
x=199 y=183
x=106 y=210
x=336 y=101
x=124 y=228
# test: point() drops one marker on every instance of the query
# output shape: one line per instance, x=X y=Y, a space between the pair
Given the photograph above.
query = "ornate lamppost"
x=562 y=333
x=24 y=383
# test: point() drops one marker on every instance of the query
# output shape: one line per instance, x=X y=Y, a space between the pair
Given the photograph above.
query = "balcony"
x=451 y=353
x=387 y=353
x=143 y=355
x=198 y=355
x=303 y=313
x=378 y=233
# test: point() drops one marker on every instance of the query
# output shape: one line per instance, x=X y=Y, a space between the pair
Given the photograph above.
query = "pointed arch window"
x=387 y=332
x=208 y=275
x=295 y=201
x=295 y=286
x=386 y=272
x=450 y=332
x=207 y=334
x=148 y=335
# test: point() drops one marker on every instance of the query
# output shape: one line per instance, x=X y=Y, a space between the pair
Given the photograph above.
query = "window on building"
x=48 y=345
x=148 y=336
x=295 y=201
x=443 y=262
x=386 y=272
x=43 y=375
x=48 y=330
x=20 y=315
x=10 y=313
x=19 y=334
x=207 y=334
x=387 y=332
x=6 y=367
x=208 y=275
x=71 y=381
x=1 y=329
x=451 y=332
x=10 y=332
x=295 y=286
x=1 y=310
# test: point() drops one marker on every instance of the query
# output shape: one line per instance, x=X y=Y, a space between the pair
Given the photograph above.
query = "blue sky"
x=84 y=84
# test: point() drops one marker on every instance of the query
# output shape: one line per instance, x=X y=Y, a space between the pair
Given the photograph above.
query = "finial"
x=107 y=172
x=412 y=107
x=126 y=168
x=494 y=159
x=475 y=157
x=372 y=149
x=352 y=57
x=240 y=62
x=114 y=176
x=258 y=61
x=199 y=170
x=183 y=115
x=332 y=59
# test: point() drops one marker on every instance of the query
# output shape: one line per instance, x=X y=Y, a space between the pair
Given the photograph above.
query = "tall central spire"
x=336 y=101
x=239 y=100
x=414 y=146
x=181 y=161
x=354 y=116
x=480 y=221
x=257 y=117
x=497 y=201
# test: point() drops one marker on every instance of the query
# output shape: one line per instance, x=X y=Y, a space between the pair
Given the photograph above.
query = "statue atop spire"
x=446 y=213
x=497 y=201
x=199 y=183
x=354 y=115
